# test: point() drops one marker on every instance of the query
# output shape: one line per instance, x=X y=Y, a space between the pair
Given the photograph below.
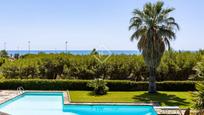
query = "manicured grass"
x=182 y=99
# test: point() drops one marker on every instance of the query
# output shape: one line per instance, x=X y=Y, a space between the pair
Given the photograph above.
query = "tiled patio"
x=6 y=95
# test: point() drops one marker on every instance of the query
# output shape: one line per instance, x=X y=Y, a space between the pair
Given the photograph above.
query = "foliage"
x=174 y=66
x=199 y=68
x=1 y=77
x=199 y=95
x=20 y=69
x=177 y=65
x=99 y=86
x=39 y=84
x=154 y=29
x=3 y=54
x=201 y=51
x=94 y=52
x=114 y=85
x=16 y=55
x=2 y=61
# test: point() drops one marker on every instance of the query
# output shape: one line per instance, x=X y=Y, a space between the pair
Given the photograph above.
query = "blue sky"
x=88 y=24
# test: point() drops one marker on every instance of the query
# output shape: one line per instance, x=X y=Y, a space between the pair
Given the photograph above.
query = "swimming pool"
x=51 y=103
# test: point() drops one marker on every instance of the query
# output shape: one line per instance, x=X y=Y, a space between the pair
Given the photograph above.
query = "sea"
x=74 y=52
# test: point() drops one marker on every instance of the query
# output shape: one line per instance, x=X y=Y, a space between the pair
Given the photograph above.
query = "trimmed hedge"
x=114 y=85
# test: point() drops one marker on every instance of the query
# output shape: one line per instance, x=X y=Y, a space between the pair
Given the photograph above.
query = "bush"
x=199 y=68
x=20 y=69
x=2 y=61
x=99 y=86
x=173 y=66
x=178 y=65
x=38 y=84
x=143 y=86
x=114 y=85
x=53 y=66
x=4 y=54
x=199 y=95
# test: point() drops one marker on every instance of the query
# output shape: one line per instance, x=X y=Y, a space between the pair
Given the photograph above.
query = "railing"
x=20 y=90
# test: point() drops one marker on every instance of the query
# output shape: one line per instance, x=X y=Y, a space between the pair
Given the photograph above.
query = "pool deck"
x=6 y=95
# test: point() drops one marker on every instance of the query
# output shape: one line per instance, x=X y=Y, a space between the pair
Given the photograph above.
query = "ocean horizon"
x=74 y=52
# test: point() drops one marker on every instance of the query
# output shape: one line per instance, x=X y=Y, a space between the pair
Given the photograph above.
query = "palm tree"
x=153 y=28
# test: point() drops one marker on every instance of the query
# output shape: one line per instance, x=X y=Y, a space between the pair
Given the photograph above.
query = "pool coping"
x=10 y=97
x=66 y=98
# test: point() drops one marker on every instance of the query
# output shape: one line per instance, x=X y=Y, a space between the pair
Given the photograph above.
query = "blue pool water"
x=35 y=103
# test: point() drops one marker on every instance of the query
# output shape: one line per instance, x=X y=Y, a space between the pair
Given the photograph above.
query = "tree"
x=16 y=55
x=94 y=52
x=2 y=61
x=153 y=28
x=3 y=54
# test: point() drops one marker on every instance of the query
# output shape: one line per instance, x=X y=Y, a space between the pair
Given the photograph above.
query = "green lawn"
x=182 y=99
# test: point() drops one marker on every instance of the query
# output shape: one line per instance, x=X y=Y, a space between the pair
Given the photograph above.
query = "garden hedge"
x=114 y=85
x=174 y=66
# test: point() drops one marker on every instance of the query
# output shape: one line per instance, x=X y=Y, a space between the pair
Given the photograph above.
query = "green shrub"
x=2 y=61
x=178 y=65
x=173 y=66
x=4 y=54
x=114 y=85
x=199 y=68
x=21 y=69
x=38 y=84
x=199 y=95
x=99 y=86
x=143 y=86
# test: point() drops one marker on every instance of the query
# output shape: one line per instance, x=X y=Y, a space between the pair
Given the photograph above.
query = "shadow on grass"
x=95 y=95
x=162 y=98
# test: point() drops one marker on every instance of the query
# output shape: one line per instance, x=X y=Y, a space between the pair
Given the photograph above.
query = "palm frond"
x=135 y=22
x=141 y=43
x=159 y=6
x=167 y=11
x=173 y=24
x=138 y=34
x=167 y=43
x=138 y=13
x=166 y=33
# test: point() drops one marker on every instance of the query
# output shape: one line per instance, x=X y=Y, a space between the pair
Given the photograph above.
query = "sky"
x=88 y=24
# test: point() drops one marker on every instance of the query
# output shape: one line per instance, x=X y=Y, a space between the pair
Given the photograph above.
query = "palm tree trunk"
x=152 y=80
